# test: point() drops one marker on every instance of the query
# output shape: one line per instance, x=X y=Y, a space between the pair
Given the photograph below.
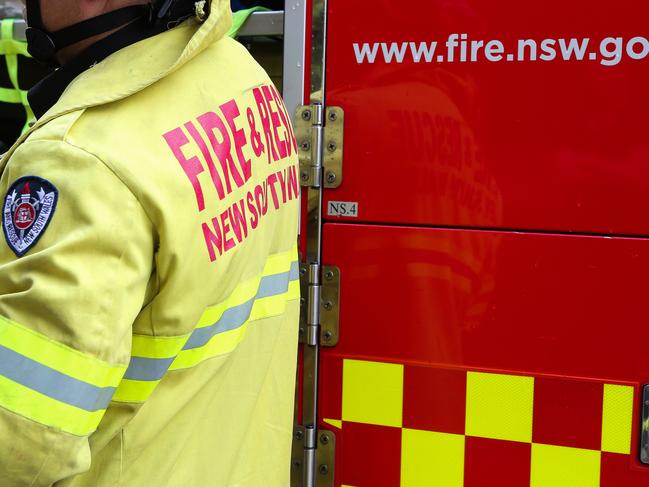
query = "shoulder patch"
x=27 y=211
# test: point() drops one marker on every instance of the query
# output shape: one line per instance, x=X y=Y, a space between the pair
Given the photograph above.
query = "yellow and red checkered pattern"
x=458 y=428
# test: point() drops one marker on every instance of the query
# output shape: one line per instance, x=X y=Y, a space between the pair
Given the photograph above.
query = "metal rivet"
x=304 y=175
x=331 y=147
x=305 y=146
x=324 y=439
x=327 y=335
x=329 y=275
x=328 y=305
x=297 y=464
x=306 y=115
x=324 y=470
x=301 y=331
x=299 y=435
x=331 y=177
x=302 y=301
x=302 y=271
x=332 y=116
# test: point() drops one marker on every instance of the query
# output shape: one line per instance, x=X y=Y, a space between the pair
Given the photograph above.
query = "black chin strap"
x=163 y=14
x=43 y=45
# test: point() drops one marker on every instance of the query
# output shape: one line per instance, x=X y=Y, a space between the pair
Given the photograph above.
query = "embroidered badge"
x=26 y=212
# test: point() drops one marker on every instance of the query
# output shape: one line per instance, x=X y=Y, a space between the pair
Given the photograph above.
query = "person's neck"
x=64 y=56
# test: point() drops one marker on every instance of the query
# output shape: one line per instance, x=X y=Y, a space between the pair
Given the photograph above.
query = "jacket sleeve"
x=67 y=307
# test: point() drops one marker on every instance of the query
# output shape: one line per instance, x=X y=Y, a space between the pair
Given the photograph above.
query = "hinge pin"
x=313 y=312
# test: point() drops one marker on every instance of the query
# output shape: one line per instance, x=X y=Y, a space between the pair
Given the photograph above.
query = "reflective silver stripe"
x=152 y=369
x=294 y=271
x=143 y=368
x=52 y=383
x=231 y=319
x=272 y=286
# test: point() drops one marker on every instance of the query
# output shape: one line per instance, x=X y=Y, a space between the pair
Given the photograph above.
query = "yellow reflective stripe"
x=226 y=342
x=149 y=353
x=275 y=264
x=268 y=307
x=293 y=290
x=157 y=347
x=242 y=294
x=134 y=390
x=220 y=344
x=59 y=357
x=280 y=263
x=45 y=410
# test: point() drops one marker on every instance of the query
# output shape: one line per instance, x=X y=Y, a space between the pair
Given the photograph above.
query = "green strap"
x=11 y=49
x=239 y=18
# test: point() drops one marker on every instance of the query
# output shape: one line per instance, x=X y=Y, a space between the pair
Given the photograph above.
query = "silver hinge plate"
x=325 y=458
x=329 y=305
x=332 y=143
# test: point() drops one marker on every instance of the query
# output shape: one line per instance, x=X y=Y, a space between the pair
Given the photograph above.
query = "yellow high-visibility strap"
x=11 y=49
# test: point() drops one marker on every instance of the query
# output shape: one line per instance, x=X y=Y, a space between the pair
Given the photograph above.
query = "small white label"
x=343 y=208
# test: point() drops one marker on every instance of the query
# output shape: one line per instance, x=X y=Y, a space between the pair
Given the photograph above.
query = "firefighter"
x=149 y=287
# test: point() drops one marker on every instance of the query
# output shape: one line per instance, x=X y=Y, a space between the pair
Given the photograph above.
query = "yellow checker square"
x=560 y=466
x=617 y=419
x=499 y=406
x=372 y=393
x=429 y=459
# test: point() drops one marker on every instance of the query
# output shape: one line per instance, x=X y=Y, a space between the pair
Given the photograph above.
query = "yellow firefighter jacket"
x=148 y=274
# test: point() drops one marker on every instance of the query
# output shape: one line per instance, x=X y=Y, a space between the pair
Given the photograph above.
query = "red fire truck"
x=474 y=240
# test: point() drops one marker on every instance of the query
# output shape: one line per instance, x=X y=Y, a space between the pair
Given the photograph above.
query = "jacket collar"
x=118 y=77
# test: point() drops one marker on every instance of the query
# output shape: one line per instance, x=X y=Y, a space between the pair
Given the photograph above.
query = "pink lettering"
x=281 y=143
x=237 y=215
x=265 y=123
x=216 y=179
x=272 y=179
x=210 y=122
x=176 y=139
x=231 y=112
x=213 y=239
x=225 y=225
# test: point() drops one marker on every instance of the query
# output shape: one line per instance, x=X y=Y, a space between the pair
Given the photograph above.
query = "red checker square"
x=434 y=399
x=368 y=455
x=496 y=462
x=568 y=413
x=621 y=471
x=331 y=383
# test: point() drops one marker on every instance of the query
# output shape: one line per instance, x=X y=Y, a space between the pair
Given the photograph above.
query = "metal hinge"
x=323 y=454
x=320 y=305
x=320 y=137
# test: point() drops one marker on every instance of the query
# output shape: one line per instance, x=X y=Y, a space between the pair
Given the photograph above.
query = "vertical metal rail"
x=314 y=245
x=294 y=53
